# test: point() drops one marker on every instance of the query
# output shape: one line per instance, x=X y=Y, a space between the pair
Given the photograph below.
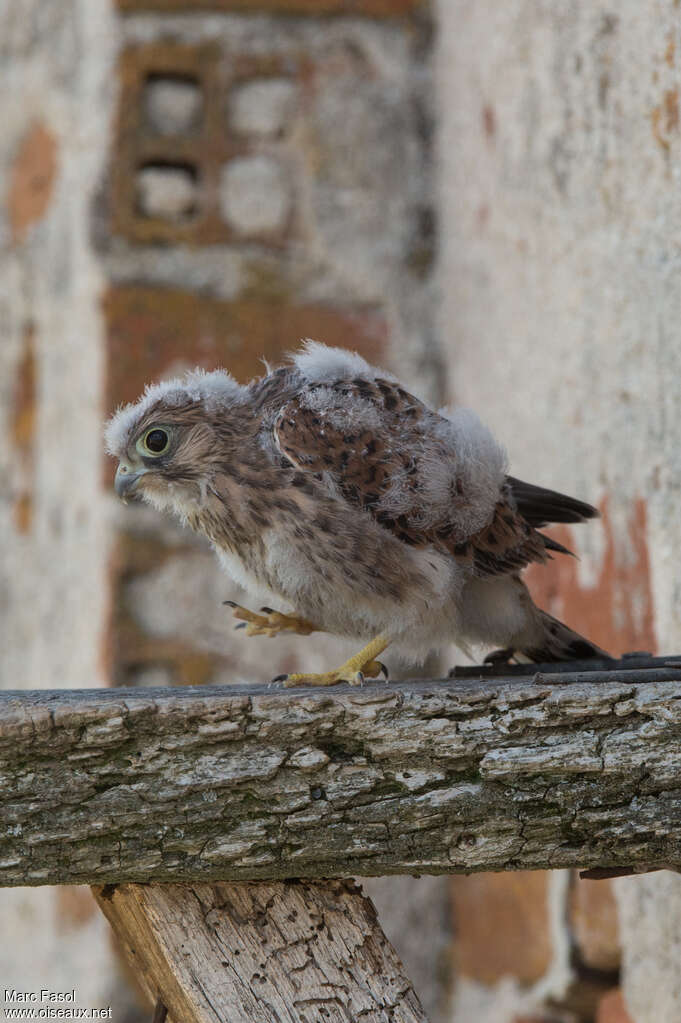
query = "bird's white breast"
x=236 y=568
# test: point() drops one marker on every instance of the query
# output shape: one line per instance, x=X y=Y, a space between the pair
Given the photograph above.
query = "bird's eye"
x=155 y=441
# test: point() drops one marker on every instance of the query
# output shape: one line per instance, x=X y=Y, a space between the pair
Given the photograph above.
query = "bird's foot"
x=355 y=670
x=268 y=622
x=500 y=656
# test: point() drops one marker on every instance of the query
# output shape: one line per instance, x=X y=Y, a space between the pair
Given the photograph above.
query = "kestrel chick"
x=329 y=488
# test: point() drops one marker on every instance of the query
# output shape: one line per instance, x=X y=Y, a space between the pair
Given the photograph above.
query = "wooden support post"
x=250 y=952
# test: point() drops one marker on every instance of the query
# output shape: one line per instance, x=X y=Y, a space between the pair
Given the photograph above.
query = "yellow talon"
x=353 y=671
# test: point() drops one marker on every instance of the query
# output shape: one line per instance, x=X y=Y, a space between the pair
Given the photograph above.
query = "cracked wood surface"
x=278 y=952
x=103 y=786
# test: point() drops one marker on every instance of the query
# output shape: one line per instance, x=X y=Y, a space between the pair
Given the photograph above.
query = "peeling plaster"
x=614 y=606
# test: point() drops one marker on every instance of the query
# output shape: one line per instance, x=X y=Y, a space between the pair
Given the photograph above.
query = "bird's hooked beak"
x=127 y=479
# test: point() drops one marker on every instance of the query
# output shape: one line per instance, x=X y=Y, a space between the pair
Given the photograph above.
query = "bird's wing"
x=354 y=432
x=390 y=455
x=509 y=542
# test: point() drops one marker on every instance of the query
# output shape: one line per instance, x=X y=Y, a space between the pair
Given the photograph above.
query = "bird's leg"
x=269 y=622
x=353 y=671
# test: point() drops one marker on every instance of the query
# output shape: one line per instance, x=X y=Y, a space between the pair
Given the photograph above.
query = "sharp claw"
x=278 y=678
x=267 y=610
x=384 y=670
x=229 y=603
x=241 y=625
x=358 y=679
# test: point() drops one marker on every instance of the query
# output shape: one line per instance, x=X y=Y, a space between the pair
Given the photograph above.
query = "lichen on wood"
x=245 y=783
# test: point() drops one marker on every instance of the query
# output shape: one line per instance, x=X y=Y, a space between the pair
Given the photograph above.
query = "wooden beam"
x=104 y=786
x=278 y=952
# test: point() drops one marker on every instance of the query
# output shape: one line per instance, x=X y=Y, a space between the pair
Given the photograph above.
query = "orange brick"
x=611 y=1008
x=75 y=906
x=617 y=612
x=23 y=512
x=24 y=412
x=152 y=331
x=22 y=431
x=502 y=926
x=31 y=180
x=371 y=8
x=594 y=922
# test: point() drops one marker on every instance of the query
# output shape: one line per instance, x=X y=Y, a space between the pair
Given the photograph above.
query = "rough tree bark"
x=197 y=784
x=282 y=952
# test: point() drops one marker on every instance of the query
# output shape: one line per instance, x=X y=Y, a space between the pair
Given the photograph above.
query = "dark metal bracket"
x=637 y=666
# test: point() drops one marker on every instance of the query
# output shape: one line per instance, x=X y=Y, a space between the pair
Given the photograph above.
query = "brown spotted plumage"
x=365 y=464
x=328 y=488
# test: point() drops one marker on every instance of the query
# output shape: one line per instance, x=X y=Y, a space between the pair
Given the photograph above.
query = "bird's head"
x=171 y=441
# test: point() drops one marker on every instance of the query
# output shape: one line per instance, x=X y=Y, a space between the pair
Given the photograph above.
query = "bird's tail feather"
x=540 y=506
x=560 y=643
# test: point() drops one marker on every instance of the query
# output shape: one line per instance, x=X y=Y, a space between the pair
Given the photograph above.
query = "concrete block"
x=167 y=192
x=172 y=104
x=262 y=106
x=255 y=195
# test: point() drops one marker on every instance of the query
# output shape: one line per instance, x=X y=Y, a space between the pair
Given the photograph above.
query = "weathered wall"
x=55 y=107
x=561 y=288
x=53 y=145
